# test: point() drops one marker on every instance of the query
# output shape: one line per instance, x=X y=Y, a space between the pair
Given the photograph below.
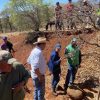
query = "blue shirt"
x=54 y=63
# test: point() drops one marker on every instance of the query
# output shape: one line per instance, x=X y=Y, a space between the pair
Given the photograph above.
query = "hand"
x=60 y=59
x=60 y=74
x=70 y=55
x=41 y=78
x=79 y=66
x=50 y=73
x=18 y=87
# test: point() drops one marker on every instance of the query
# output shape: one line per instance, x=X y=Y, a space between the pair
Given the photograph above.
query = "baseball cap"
x=58 y=45
x=4 y=38
x=6 y=56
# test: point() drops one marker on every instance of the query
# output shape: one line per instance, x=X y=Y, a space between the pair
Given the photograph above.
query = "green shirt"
x=75 y=52
x=98 y=12
x=8 y=80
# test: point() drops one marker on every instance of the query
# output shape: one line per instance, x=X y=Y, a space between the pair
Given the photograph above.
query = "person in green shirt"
x=97 y=22
x=73 y=54
x=13 y=77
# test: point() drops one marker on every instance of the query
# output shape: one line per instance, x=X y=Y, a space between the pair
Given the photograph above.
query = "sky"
x=3 y=3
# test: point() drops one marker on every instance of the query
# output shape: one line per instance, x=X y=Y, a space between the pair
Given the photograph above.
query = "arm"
x=66 y=53
x=80 y=57
x=40 y=76
x=23 y=78
x=53 y=56
x=10 y=46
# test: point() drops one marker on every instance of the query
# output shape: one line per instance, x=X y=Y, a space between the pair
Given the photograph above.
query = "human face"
x=74 y=43
x=4 y=67
x=58 y=50
x=42 y=46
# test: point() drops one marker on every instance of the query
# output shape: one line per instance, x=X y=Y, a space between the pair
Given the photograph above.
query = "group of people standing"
x=14 y=76
x=85 y=9
x=38 y=66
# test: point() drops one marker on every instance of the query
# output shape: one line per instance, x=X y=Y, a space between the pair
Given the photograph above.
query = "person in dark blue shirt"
x=54 y=66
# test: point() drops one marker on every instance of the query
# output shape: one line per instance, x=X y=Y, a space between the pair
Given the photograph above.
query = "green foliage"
x=29 y=14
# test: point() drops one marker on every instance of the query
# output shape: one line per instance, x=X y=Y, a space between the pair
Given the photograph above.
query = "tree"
x=28 y=13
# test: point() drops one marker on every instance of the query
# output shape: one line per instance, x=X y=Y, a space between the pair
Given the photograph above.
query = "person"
x=97 y=22
x=38 y=68
x=73 y=54
x=87 y=10
x=58 y=15
x=54 y=66
x=13 y=77
x=7 y=45
x=70 y=6
x=70 y=9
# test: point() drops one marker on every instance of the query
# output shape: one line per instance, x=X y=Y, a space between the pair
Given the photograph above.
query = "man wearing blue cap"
x=73 y=55
x=54 y=66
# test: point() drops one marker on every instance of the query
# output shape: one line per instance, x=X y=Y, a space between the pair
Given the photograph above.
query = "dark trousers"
x=70 y=77
x=58 y=24
x=55 y=80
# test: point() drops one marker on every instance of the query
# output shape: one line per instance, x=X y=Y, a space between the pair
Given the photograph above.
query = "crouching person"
x=54 y=67
x=13 y=77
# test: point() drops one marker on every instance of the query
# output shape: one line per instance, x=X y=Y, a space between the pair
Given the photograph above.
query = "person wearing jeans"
x=38 y=68
x=39 y=89
x=73 y=55
x=70 y=77
x=54 y=67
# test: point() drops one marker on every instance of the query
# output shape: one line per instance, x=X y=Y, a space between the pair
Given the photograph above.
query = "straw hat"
x=40 y=40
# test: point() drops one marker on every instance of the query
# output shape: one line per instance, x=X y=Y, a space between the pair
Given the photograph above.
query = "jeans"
x=55 y=80
x=39 y=89
x=70 y=77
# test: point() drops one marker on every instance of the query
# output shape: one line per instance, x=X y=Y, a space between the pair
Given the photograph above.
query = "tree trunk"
x=1 y=28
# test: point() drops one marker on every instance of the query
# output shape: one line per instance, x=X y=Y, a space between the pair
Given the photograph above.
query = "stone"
x=75 y=93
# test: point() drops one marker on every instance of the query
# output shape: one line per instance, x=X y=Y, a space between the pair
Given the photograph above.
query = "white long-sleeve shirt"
x=36 y=60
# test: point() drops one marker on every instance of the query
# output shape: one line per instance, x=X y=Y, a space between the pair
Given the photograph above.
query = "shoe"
x=70 y=85
x=65 y=91
x=54 y=93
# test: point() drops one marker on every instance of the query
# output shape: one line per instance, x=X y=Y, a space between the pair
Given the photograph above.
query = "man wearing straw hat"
x=38 y=68
x=73 y=55
x=13 y=77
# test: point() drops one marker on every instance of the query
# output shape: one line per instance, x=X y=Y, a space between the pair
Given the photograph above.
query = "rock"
x=75 y=93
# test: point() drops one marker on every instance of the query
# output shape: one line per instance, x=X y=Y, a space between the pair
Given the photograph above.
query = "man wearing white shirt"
x=38 y=68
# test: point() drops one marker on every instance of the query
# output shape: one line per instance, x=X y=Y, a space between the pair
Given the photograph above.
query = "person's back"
x=13 y=77
x=8 y=80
